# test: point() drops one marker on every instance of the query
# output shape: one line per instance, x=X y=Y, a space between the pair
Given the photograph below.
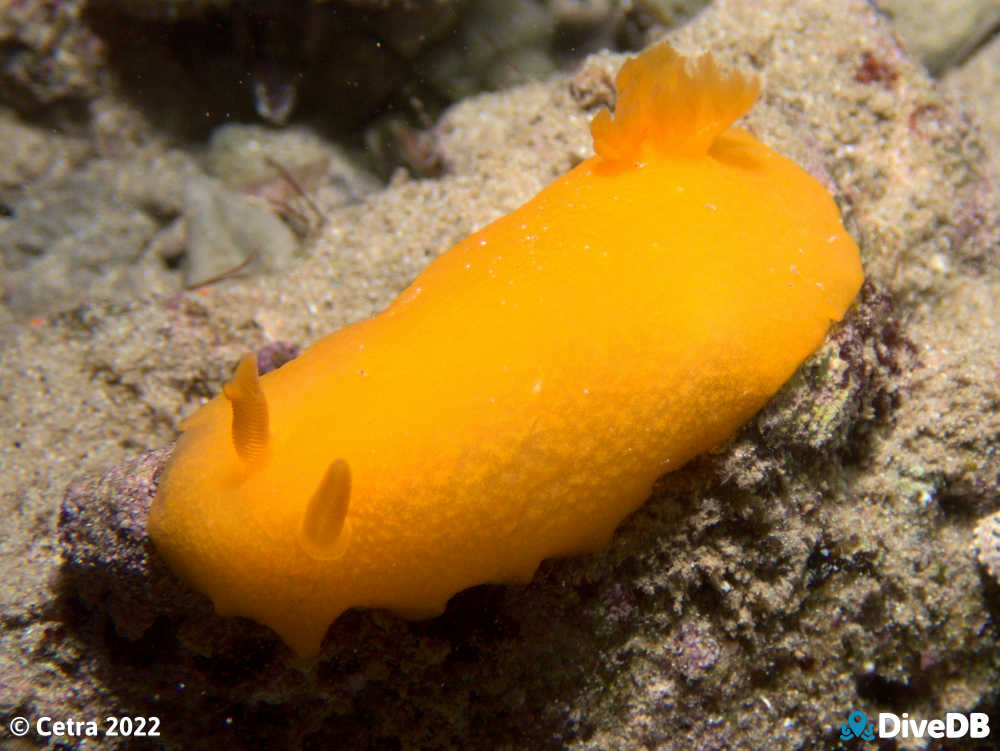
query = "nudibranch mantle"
x=520 y=398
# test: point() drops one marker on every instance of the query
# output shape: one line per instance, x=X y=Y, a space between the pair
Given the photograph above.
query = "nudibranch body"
x=520 y=398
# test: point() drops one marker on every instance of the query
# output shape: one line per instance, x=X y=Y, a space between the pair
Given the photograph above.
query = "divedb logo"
x=889 y=725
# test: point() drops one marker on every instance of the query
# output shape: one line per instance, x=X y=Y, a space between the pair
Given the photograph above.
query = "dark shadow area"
x=380 y=682
x=265 y=61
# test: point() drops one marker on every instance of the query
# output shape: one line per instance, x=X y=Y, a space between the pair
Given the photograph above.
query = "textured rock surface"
x=50 y=56
x=975 y=84
x=817 y=563
x=942 y=33
x=227 y=231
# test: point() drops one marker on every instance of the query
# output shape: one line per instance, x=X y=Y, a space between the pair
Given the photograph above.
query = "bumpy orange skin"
x=523 y=394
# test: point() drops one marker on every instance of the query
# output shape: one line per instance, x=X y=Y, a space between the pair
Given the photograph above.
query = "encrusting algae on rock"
x=520 y=398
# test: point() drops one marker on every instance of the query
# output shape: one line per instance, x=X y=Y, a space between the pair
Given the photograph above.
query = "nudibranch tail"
x=250 y=419
x=324 y=534
x=672 y=104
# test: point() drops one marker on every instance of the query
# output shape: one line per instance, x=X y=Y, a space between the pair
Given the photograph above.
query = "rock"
x=491 y=32
x=31 y=152
x=942 y=34
x=110 y=562
x=975 y=85
x=261 y=161
x=51 y=56
x=228 y=233
x=73 y=238
x=96 y=231
x=986 y=543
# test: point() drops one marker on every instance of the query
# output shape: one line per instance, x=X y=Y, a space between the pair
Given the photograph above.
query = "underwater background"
x=182 y=181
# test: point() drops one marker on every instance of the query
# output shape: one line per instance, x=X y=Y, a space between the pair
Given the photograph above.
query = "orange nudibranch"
x=520 y=398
